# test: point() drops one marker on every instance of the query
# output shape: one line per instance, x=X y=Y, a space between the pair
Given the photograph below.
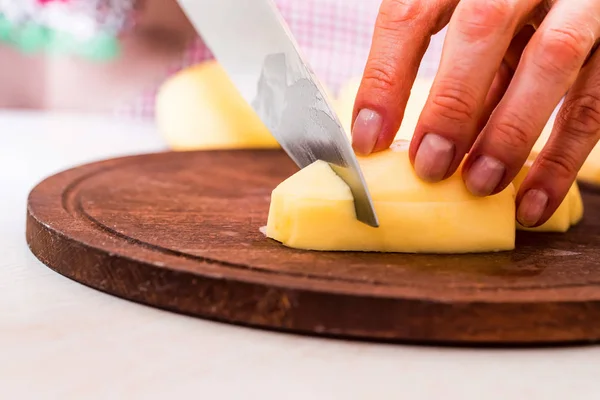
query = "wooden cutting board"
x=181 y=231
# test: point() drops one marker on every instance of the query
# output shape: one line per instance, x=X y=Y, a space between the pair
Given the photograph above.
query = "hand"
x=505 y=66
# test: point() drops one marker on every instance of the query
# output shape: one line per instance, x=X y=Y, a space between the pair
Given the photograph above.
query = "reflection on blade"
x=255 y=46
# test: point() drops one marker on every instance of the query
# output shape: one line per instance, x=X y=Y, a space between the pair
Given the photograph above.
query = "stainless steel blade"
x=251 y=41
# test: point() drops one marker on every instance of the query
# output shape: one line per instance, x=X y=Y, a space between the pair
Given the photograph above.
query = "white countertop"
x=61 y=340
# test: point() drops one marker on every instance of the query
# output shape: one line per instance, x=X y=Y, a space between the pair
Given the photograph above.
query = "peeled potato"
x=200 y=108
x=314 y=209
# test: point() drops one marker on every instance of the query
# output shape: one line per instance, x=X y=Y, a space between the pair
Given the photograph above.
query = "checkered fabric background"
x=335 y=36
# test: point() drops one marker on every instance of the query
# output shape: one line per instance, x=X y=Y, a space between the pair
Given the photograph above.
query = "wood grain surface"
x=181 y=231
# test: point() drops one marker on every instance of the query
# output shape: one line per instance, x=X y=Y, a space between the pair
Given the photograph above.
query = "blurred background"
x=112 y=56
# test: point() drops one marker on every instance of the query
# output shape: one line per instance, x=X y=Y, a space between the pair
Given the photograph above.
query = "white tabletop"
x=61 y=340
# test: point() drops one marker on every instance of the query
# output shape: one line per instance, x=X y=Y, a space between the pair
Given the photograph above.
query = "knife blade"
x=255 y=47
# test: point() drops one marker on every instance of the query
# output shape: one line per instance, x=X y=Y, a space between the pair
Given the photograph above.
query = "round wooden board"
x=180 y=231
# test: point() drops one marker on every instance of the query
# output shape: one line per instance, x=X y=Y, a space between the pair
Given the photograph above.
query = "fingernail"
x=434 y=157
x=365 y=131
x=484 y=176
x=532 y=207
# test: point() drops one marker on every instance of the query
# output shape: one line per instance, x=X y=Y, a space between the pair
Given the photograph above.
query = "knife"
x=253 y=44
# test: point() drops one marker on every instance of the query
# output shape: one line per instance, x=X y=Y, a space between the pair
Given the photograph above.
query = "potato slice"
x=313 y=209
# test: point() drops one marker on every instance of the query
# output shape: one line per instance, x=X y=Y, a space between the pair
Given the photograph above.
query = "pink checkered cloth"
x=335 y=36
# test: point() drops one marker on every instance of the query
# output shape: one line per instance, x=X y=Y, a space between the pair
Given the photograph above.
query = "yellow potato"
x=313 y=209
x=200 y=108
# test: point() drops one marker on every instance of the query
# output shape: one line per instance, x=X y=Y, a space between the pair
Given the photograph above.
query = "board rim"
x=36 y=228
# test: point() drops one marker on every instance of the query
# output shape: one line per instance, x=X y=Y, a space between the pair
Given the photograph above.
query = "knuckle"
x=562 y=50
x=454 y=102
x=512 y=133
x=379 y=74
x=480 y=19
x=581 y=116
x=559 y=164
x=392 y=13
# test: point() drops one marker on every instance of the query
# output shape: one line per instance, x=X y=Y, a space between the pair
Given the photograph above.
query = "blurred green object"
x=61 y=43
x=5 y=28
x=33 y=38
x=101 y=47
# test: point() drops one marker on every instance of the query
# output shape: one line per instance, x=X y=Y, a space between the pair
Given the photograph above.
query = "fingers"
x=505 y=74
x=548 y=67
x=497 y=90
x=575 y=133
x=402 y=34
x=478 y=37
